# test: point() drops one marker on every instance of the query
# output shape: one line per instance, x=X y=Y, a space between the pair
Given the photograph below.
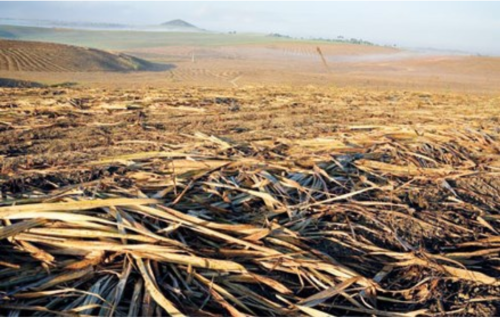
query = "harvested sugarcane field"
x=172 y=170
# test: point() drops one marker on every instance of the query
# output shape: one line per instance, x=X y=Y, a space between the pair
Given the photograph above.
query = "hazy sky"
x=468 y=26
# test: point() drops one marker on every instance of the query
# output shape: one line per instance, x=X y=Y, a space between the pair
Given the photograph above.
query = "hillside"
x=50 y=57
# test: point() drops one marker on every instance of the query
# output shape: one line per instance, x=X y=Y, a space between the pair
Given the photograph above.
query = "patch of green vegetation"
x=123 y=40
x=339 y=39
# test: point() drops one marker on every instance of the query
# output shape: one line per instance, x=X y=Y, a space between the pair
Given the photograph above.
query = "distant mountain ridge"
x=176 y=25
x=180 y=25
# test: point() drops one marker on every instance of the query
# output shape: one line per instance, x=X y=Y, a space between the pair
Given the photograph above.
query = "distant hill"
x=180 y=25
x=50 y=57
x=170 y=26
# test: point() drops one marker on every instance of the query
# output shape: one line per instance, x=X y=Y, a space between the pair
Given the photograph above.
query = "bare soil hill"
x=50 y=57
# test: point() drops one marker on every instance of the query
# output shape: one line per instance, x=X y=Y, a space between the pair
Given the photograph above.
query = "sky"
x=472 y=27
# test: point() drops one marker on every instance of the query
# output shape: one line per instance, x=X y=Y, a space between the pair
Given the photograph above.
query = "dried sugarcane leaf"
x=157 y=295
x=19 y=227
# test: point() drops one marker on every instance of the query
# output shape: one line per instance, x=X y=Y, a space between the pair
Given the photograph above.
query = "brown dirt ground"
x=378 y=68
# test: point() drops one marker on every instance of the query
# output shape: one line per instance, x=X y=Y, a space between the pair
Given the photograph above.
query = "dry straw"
x=406 y=225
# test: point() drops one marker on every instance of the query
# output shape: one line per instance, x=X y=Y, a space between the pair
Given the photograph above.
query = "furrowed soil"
x=253 y=200
x=38 y=57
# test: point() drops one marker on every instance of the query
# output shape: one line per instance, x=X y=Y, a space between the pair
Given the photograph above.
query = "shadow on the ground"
x=15 y=83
